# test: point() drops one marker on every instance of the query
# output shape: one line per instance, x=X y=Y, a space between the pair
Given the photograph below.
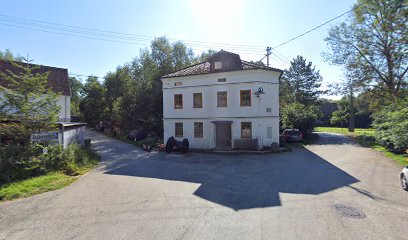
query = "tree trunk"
x=351 y=126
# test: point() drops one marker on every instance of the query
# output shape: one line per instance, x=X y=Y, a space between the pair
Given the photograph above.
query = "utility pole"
x=268 y=52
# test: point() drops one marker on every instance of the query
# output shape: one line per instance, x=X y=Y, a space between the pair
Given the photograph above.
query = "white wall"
x=65 y=111
x=63 y=102
x=208 y=85
x=259 y=130
x=73 y=135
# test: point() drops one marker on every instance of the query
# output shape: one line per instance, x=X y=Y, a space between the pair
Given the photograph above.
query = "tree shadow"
x=334 y=139
x=235 y=181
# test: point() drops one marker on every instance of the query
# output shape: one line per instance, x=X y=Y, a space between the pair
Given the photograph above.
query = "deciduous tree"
x=372 y=46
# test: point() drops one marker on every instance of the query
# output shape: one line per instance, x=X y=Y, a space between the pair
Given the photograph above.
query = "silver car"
x=404 y=177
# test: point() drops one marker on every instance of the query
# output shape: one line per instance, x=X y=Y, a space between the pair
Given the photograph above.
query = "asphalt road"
x=333 y=189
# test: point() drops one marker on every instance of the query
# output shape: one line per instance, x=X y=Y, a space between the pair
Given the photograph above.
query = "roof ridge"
x=185 y=68
x=40 y=65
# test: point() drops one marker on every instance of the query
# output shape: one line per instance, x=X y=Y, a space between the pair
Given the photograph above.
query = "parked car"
x=404 y=178
x=291 y=135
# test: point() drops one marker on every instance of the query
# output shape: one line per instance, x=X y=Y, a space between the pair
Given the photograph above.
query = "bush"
x=391 y=124
x=53 y=159
x=22 y=162
x=302 y=117
x=19 y=162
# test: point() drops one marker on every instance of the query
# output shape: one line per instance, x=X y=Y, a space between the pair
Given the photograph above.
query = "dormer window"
x=217 y=65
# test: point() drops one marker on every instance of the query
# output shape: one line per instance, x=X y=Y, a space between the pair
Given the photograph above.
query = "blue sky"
x=254 y=23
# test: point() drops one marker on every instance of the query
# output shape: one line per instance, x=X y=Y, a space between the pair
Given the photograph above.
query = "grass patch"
x=365 y=137
x=35 y=185
x=357 y=131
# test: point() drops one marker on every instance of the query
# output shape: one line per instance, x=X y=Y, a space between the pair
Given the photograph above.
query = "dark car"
x=292 y=135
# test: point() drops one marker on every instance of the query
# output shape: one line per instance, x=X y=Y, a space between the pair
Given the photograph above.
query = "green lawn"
x=35 y=185
x=365 y=137
x=357 y=131
x=45 y=183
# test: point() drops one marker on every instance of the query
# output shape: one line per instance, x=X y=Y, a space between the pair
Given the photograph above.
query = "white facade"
x=63 y=102
x=263 y=112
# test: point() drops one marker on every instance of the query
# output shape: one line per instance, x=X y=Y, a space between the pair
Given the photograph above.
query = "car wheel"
x=404 y=182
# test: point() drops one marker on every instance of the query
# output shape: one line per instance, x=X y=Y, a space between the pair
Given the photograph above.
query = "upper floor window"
x=246 y=130
x=198 y=130
x=222 y=99
x=222 y=79
x=217 y=65
x=178 y=129
x=245 y=97
x=197 y=100
x=178 y=101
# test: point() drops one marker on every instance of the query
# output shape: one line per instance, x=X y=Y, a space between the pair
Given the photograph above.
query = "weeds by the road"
x=365 y=137
x=51 y=181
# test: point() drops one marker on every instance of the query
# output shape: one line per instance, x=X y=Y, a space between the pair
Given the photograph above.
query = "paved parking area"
x=333 y=189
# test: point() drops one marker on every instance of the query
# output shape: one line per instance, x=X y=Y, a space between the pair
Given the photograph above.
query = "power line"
x=302 y=34
x=110 y=35
x=311 y=30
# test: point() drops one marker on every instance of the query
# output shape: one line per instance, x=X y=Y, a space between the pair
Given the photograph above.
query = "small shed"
x=71 y=132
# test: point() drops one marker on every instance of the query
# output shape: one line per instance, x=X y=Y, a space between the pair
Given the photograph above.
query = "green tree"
x=92 y=105
x=391 y=124
x=341 y=116
x=9 y=56
x=372 y=46
x=300 y=116
x=76 y=89
x=28 y=99
x=301 y=83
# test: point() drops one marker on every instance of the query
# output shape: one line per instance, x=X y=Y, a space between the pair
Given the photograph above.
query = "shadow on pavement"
x=333 y=139
x=235 y=181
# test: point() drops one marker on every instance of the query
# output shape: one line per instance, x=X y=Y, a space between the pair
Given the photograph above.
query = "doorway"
x=222 y=134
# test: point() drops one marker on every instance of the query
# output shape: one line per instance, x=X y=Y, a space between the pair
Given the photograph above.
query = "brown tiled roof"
x=57 y=78
x=205 y=67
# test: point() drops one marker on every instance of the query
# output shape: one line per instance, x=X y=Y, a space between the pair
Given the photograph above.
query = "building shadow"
x=235 y=181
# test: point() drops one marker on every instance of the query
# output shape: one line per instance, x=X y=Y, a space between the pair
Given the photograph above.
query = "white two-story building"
x=57 y=81
x=222 y=103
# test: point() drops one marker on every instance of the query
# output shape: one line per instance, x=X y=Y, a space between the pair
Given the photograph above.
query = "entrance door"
x=223 y=135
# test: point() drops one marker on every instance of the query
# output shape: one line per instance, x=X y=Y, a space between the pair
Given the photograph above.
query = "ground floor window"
x=269 y=132
x=178 y=130
x=198 y=130
x=246 y=130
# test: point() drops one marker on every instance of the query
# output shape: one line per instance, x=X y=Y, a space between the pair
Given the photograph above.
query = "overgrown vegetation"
x=25 y=172
x=22 y=162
